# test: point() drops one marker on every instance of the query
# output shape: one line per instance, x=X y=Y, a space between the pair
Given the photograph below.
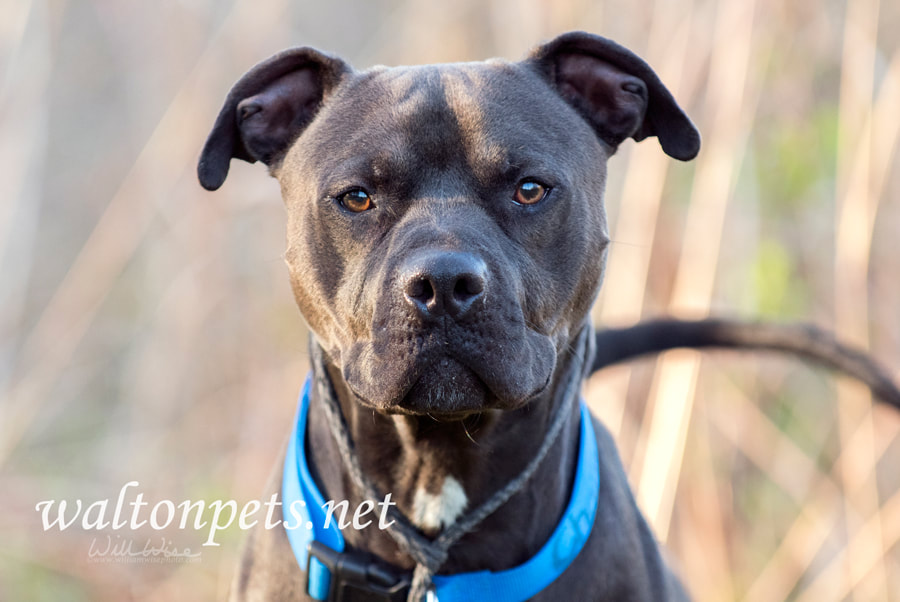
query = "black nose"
x=444 y=283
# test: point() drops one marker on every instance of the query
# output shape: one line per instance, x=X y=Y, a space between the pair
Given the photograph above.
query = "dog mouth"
x=447 y=388
x=444 y=386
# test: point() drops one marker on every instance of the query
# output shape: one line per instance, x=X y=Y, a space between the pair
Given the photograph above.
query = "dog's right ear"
x=267 y=109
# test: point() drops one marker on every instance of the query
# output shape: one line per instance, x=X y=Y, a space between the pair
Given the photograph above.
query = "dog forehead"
x=467 y=90
x=493 y=98
x=483 y=115
x=448 y=86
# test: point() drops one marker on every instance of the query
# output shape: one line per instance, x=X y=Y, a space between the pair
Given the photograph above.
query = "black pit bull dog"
x=446 y=240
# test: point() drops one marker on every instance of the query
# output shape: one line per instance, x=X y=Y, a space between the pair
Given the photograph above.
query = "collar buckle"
x=355 y=577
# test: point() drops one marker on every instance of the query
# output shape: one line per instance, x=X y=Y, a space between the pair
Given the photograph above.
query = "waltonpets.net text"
x=162 y=515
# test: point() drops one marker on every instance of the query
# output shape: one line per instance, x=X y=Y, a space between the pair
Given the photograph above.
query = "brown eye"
x=529 y=192
x=356 y=200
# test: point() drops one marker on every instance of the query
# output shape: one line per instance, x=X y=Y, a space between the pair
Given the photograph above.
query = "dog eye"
x=530 y=192
x=356 y=200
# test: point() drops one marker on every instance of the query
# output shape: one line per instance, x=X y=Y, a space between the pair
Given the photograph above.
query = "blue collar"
x=304 y=520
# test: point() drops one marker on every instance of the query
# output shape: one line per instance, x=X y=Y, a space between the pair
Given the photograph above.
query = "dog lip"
x=369 y=403
x=419 y=382
x=436 y=415
x=539 y=391
x=493 y=404
x=402 y=404
x=398 y=407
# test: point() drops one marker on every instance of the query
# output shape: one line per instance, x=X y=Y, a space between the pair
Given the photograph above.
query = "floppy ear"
x=616 y=92
x=267 y=109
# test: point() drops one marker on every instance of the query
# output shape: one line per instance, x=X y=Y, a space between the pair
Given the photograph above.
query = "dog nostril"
x=420 y=289
x=468 y=286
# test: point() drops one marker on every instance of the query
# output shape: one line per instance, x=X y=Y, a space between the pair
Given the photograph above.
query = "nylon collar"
x=304 y=522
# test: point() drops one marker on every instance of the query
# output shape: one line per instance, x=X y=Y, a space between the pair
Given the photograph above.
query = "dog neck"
x=437 y=470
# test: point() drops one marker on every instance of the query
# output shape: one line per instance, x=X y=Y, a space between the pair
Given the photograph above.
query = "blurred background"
x=148 y=331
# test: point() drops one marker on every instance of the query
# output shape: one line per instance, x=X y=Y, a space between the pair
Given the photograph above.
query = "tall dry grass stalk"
x=731 y=98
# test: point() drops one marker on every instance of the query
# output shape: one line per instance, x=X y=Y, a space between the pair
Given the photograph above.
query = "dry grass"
x=147 y=330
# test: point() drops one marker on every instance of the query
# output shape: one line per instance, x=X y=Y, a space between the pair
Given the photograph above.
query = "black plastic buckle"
x=354 y=576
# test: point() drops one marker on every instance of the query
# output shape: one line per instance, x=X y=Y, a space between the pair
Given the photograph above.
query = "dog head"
x=446 y=232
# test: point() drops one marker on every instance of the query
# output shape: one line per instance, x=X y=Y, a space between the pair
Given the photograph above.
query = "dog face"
x=446 y=229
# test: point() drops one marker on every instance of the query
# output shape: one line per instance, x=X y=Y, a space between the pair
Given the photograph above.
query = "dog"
x=446 y=239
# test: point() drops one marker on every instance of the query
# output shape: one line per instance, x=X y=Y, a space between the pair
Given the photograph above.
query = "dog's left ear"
x=616 y=92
